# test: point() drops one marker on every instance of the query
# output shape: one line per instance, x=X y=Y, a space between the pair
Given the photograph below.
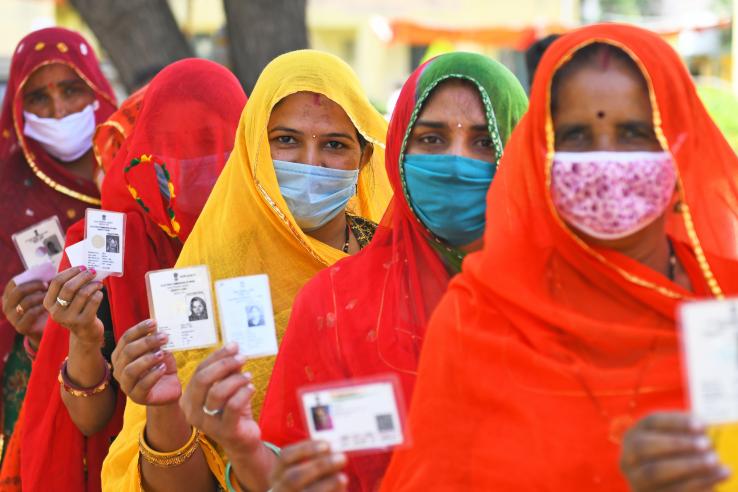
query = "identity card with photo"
x=41 y=243
x=355 y=416
x=709 y=332
x=77 y=255
x=246 y=316
x=181 y=303
x=105 y=239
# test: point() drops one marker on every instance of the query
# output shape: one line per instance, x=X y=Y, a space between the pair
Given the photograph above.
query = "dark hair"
x=592 y=55
x=535 y=52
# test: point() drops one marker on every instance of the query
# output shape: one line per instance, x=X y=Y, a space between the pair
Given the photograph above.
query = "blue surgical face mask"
x=449 y=194
x=315 y=194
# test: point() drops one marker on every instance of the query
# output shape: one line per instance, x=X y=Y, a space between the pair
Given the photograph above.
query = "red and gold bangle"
x=79 y=391
x=30 y=351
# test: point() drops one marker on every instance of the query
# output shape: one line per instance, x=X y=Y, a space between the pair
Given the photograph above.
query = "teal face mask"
x=449 y=194
x=314 y=194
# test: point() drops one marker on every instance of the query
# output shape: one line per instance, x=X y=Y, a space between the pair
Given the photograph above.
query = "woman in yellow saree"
x=247 y=228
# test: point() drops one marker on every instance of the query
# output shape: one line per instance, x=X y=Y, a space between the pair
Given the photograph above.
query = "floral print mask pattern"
x=611 y=195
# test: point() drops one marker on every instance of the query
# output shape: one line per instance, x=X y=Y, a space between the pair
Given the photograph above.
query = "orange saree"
x=545 y=350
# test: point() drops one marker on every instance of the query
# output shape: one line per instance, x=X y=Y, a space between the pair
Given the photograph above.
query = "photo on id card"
x=181 y=304
x=105 y=240
x=356 y=416
x=41 y=243
x=709 y=336
x=246 y=316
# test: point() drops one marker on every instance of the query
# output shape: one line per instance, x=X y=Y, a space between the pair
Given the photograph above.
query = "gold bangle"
x=173 y=458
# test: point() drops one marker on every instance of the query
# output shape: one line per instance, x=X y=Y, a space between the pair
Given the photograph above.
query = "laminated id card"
x=710 y=353
x=181 y=303
x=41 y=243
x=246 y=317
x=355 y=416
x=105 y=240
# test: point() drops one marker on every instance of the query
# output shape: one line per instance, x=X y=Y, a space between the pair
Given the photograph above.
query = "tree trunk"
x=260 y=30
x=140 y=36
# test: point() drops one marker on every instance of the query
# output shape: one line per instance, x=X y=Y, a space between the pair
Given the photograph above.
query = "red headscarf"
x=33 y=185
x=366 y=315
x=187 y=125
x=545 y=350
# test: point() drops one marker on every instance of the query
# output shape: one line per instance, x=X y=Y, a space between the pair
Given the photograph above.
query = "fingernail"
x=247 y=375
x=695 y=425
x=46 y=285
x=322 y=446
x=149 y=323
x=725 y=472
x=162 y=337
x=231 y=346
x=93 y=271
x=159 y=354
x=240 y=358
x=702 y=443
x=343 y=478
x=338 y=459
x=251 y=387
x=161 y=367
x=82 y=268
x=711 y=459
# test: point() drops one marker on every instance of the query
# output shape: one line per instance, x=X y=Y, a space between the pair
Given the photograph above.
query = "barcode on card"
x=385 y=423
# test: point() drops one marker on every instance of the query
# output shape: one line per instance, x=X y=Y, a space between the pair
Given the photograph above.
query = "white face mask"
x=68 y=138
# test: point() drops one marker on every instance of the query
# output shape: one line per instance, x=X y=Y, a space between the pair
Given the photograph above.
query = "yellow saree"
x=246 y=227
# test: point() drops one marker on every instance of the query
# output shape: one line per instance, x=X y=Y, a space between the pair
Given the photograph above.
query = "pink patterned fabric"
x=610 y=195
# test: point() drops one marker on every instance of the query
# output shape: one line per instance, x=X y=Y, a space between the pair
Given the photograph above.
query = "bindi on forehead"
x=600 y=114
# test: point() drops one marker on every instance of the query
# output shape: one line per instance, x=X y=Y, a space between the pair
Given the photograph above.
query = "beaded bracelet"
x=80 y=391
x=173 y=458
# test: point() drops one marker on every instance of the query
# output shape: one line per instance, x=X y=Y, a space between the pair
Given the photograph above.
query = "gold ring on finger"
x=62 y=302
x=19 y=309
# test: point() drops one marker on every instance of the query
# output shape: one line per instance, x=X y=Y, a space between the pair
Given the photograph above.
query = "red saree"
x=161 y=178
x=34 y=185
x=366 y=314
x=544 y=350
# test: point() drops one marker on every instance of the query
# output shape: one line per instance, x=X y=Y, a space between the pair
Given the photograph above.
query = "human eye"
x=430 y=139
x=335 y=145
x=285 y=139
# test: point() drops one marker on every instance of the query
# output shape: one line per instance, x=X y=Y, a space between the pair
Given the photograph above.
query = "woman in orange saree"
x=551 y=343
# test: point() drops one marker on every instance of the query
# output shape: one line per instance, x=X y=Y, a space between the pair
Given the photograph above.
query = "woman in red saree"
x=161 y=178
x=54 y=74
x=550 y=344
x=366 y=315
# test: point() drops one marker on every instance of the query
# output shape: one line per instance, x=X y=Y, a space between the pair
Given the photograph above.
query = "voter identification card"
x=77 y=254
x=710 y=354
x=41 y=243
x=105 y=240
x=355 y=416
x=181 y=303
x=246 y=316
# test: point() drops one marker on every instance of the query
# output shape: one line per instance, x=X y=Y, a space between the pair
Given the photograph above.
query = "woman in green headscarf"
x=366 y=315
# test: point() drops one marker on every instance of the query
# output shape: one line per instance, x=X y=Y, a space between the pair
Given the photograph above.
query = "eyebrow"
x=441 y=125
x=298 y=132
x=63 y=83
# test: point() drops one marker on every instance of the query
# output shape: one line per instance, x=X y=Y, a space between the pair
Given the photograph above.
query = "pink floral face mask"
x=611 y=195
